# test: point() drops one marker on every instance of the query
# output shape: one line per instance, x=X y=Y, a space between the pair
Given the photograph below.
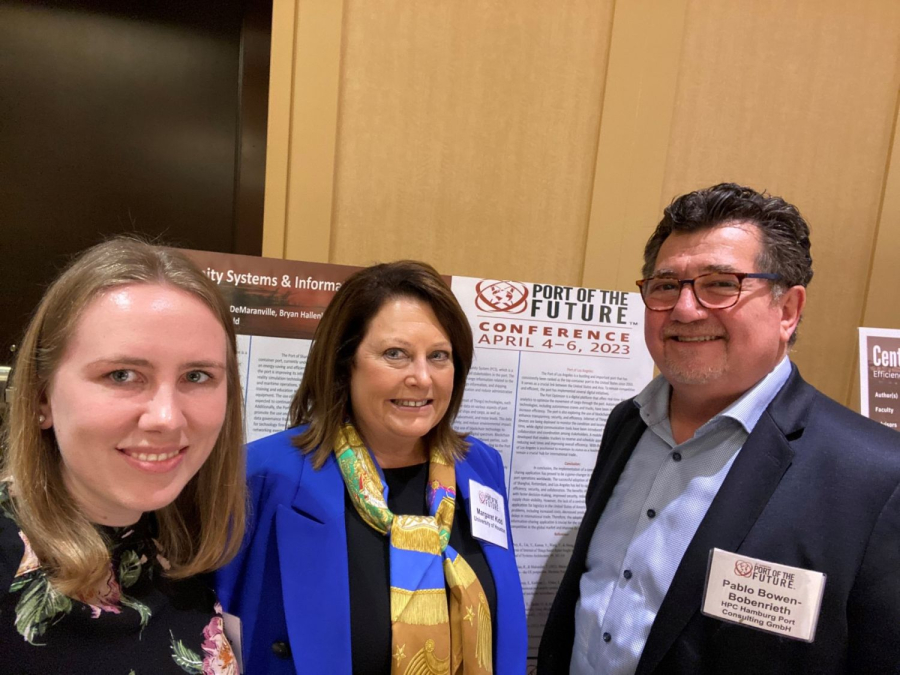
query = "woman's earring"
x=41 y=419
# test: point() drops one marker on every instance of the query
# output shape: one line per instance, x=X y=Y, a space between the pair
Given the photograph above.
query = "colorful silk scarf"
x=427 y=638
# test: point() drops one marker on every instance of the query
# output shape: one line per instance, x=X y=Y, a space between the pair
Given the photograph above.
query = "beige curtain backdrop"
x=540 y=139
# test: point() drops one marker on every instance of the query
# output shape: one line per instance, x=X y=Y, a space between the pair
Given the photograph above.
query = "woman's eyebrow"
x=204 y=364
x=144 y=363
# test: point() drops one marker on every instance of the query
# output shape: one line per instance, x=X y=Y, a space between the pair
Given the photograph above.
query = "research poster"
x=276 y=306
x=879 y=374
x=550 y=364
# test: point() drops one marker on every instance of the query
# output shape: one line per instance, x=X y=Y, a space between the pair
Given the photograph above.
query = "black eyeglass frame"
x=681 y=282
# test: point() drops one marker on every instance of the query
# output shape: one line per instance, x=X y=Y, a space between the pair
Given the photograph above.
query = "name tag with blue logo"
x=778 y=599
x=488 y=514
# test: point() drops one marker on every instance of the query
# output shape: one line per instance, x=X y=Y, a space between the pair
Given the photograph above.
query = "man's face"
x=719 y=353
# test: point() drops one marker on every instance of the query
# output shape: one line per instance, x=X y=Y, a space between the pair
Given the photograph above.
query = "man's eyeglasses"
x=718 y=290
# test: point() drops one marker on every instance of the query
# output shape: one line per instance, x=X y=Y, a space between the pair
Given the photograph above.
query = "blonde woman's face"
x=138 y=400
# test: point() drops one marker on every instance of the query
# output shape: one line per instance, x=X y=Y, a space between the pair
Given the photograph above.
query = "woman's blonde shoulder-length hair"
x=323 y=399
x=202 y=529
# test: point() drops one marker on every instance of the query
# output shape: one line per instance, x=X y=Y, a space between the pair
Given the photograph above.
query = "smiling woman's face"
x=138 y=400
x=402 y=376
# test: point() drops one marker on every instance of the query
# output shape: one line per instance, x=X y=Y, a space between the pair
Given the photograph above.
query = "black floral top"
x=137 y=623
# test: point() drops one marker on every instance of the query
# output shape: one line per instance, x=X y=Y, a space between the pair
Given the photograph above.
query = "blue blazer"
x=289 y=584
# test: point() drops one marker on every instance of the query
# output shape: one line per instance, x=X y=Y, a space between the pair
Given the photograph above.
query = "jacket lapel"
x=753 y=478
x=502 y=564
x=312 y=552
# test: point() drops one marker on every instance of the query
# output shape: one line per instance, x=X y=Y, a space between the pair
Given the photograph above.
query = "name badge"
x=775 y=598
x=488 y=514
x=231 y=625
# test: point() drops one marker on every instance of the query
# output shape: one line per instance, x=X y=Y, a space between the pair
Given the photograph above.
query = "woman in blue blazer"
x=380 y=540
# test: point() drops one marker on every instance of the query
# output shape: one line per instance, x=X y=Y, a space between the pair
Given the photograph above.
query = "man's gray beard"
x=702 y=374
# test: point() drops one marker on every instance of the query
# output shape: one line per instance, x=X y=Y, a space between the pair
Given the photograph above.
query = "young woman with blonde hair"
x=122 y=472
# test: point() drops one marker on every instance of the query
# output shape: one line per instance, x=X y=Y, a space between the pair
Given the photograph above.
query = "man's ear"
x=792 y=302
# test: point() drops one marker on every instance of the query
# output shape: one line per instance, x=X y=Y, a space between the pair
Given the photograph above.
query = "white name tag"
x=488 y=514
x=233 y=628
x=774 y=598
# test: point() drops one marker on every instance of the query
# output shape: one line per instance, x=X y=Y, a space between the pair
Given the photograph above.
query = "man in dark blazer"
x=730 y=449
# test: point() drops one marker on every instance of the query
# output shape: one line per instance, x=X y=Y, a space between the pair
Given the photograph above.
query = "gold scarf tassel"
x=410 y=533
x=424 y=607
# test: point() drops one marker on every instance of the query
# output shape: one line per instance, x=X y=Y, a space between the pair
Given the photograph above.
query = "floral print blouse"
x=137 y=623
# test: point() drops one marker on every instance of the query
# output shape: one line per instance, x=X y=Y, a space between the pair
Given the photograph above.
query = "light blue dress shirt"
x=653 y=513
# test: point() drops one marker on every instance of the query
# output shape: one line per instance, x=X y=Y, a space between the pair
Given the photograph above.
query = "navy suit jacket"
x=814 y=486
x=289 y=584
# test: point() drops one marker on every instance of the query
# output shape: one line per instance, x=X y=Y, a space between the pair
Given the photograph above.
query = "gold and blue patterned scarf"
x=429 y=634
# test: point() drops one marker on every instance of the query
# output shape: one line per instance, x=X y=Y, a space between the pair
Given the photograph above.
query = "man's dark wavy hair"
x=785 y=234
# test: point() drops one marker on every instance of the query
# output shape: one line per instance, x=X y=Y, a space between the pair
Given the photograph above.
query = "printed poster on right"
x=879 y=375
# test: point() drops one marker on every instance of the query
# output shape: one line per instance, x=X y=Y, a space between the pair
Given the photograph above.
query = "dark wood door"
x=126 y=116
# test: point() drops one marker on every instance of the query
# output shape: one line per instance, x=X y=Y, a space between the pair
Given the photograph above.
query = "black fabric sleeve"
x=873 y=608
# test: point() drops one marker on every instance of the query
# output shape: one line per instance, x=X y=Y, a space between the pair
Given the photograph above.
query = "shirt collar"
x=653 y=401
